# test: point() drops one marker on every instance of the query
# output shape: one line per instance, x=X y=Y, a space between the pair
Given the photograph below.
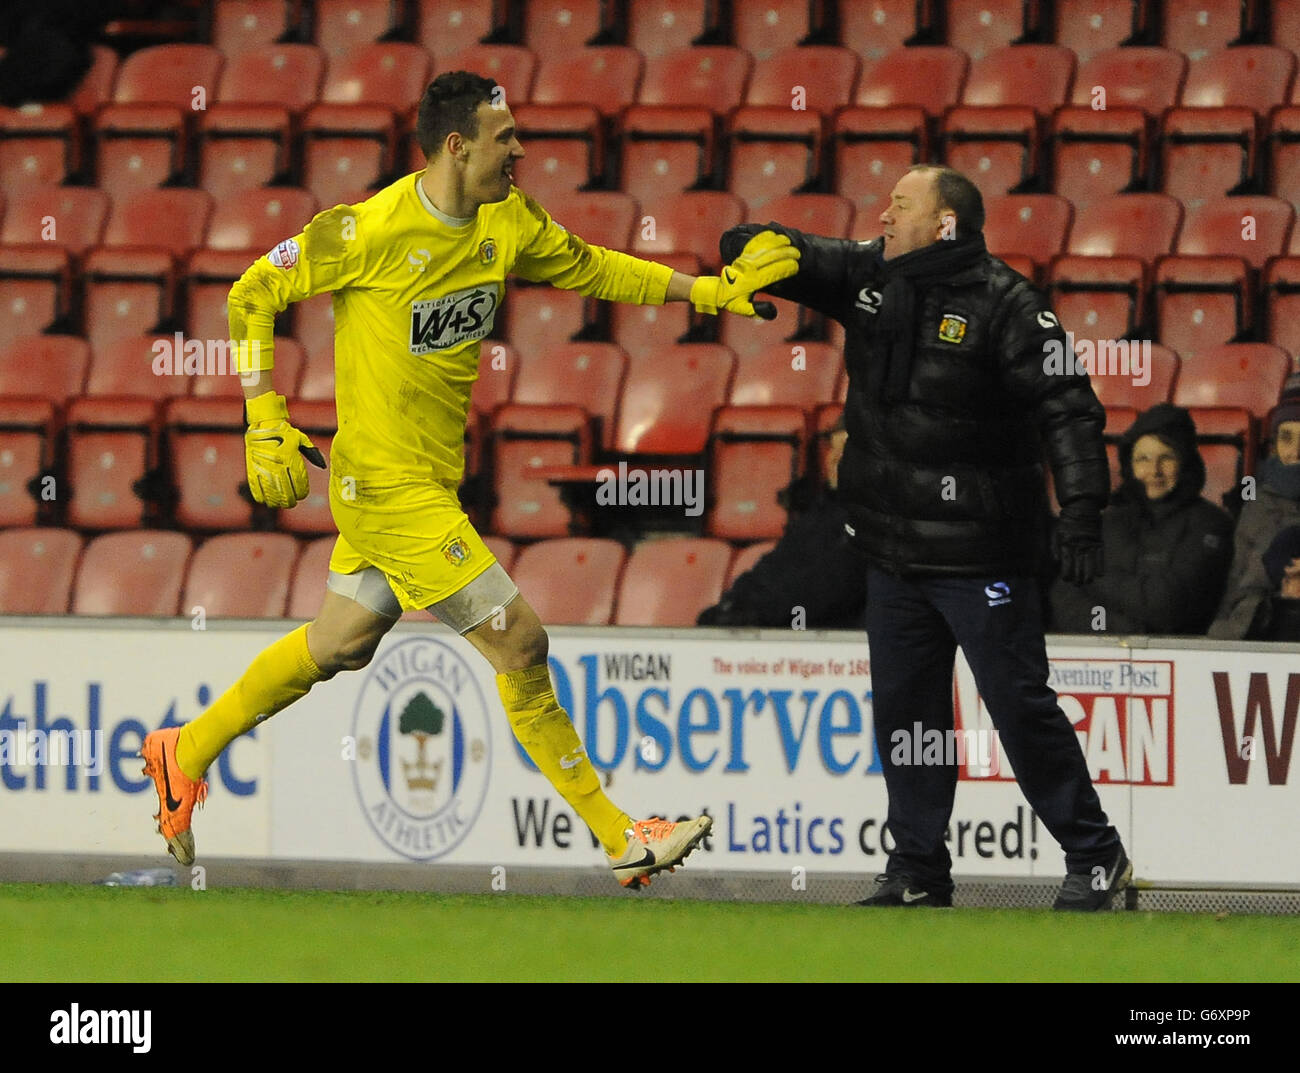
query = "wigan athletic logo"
x=457 y=551
x=487 y=251
x=952 y=329
x=423 y=748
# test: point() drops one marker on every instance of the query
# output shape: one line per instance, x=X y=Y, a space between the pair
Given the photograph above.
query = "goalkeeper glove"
x=767 y=258
x=274 y=451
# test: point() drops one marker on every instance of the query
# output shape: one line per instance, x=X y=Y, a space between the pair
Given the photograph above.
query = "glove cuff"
x=266 y=408
x=704 y=294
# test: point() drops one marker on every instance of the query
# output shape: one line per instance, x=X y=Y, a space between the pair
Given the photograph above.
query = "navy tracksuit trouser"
x=914 y=626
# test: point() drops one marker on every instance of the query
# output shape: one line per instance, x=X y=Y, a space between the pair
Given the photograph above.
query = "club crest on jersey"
x=457 y=551
x=459 y=317
x=285 y=254
x=952 y=329
x=487 y=251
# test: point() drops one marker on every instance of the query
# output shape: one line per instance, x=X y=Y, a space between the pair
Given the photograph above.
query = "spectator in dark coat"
x=814 y=566
x=1246 y=606
x=1166 y=548
x=1282 y=563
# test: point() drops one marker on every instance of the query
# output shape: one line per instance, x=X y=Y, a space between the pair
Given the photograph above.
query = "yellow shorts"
x=417 y=535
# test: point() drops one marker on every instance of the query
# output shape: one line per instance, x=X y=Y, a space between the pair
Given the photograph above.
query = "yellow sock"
x=279 y=675
x=547 y=735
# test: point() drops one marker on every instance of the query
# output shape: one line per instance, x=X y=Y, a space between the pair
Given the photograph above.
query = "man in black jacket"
x=956 y=387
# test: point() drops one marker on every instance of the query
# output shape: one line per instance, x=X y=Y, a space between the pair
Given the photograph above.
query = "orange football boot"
x=177 y=792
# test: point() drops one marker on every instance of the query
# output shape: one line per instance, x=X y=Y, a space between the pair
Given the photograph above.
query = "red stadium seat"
x=288 y=76
x=1283 y=166
x=175 y=220
x=1226 y=442
x=1258 y=77
x=665 y=150
x=1088 y=27
x=341 y=25
x=241 y=26
x=928 y=77
x=391 y=75
x=755 y=453
x=444 y=28
x=1033 y=225
x=1020 y=76
x=872 y=148
x=748 y=337
x=606 y=78
x=29 y=428
x=1098 y=153
x=138 y=147
x=570 y=582
x=537 y=317
x=881 y=27
x=1253 y=228
x=169 y=74
x=241 y=147
x=127 y=292
x=204 y=442
x=132 y=574
x=819 y=214
x=713 y=77
x=818 y=78
x=774 y=152
x=36 y=570
x=604 y=218
x=765 y=29
x=1248 y=375
x=642 y=328
x=1284 y=22
x=511 y=66
x=1098 y=297
x=589 y=375
x=1201 y=302
x=112 y=444
x=688 y=223
x=69 y=217
x=126 y=367
x=40 y=145
x=1150 y=79
x=788 y=374
x=312 y=514
x=747 y=558
x=553 y=27
x=208 y=279
x=240 y=575
x=996 y=147
x=979 y=27
x=565 y=148
x=1282 y=302
x=1198 y=28
x=526 y=438
x=505 y=551
x=657 y=27
x=48 y=367
x=256 y=220
x=347 y=148
x=1207 y=153
x=96 y=85
x=669 y=399
x=35 y=290
x=307 y=585
x=1127 y=225
x=669 y=582
x=1160 y=374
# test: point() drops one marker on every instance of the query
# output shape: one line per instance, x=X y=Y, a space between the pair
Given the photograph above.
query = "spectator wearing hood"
x=1282 y=563
x=1166 y=548
x=1246 y=607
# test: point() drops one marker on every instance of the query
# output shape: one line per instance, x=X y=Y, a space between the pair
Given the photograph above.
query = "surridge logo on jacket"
x=460 y=317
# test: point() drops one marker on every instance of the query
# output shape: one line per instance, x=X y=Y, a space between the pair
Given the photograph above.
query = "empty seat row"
x=271 y=575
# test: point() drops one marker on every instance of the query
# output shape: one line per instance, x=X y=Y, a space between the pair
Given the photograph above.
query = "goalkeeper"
x=417 y=273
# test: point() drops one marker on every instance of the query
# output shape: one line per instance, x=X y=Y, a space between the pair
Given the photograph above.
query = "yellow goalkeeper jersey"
x=415 y=293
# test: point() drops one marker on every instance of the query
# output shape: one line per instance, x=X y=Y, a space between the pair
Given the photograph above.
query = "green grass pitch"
x=72 y=933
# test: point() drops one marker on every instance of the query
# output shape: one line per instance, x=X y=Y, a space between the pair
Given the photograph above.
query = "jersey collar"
x=438 y=214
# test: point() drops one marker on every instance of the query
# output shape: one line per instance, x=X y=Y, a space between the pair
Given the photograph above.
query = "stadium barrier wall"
x=769 y=731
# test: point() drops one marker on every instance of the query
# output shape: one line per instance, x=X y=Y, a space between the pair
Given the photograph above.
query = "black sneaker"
x=901 y=889
x=1091 y=891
